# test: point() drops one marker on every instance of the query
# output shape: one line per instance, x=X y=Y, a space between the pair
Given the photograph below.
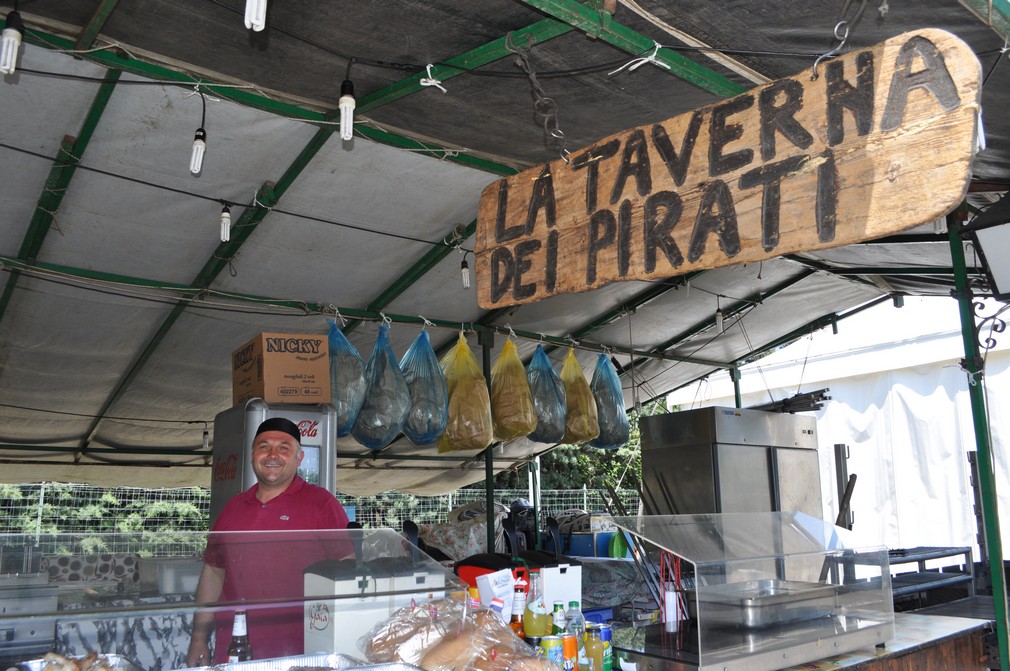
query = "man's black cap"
x=280 y=424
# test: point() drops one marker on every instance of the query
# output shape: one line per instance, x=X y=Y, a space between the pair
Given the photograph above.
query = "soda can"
x=551 y=646
x=606 y=634
x=569 y=652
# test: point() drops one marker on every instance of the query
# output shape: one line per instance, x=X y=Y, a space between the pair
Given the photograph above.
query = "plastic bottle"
x=538 y=620
x=575 y=623
x=239 y=650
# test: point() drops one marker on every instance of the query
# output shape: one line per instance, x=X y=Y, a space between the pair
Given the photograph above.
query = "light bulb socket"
x=201 y=135
x=14 y=22
x=347 y=88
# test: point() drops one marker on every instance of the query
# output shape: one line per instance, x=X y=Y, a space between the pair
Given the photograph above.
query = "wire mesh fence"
x=75 y=515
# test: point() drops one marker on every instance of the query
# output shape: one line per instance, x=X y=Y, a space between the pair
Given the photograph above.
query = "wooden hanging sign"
x=879 y=141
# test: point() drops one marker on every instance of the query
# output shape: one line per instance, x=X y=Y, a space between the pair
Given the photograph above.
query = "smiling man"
x=257 y=565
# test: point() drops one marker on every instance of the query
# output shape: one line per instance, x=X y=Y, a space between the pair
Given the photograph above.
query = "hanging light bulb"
x=346 y=105
x=199 y=147
x=206 y=439
x=10 y=43
x=200 y=141
x=225 y=223
x=719 y=317
x=256 y=14
x=464 y=270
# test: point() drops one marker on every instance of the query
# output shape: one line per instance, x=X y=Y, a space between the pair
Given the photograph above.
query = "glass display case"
x=132 y=597
x=754 y=592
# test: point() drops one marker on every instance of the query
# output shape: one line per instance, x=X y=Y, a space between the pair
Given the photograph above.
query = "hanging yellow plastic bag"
x=581 y=421
x=512 y=410
x=469 y=425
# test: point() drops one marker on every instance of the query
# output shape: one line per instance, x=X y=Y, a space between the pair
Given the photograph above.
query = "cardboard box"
x=282 y=368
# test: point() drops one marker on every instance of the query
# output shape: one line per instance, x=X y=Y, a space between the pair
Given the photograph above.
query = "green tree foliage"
x=114 y=511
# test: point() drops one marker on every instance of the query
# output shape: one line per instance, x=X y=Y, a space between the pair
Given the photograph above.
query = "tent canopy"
x=121 y=305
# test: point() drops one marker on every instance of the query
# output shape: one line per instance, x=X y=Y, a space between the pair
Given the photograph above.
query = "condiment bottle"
x=239 y=650
x=537 y=621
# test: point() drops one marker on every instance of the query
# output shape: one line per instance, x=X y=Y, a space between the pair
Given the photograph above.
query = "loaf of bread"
x=446 y=635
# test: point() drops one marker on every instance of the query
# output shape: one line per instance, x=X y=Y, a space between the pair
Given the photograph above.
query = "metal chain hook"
x=841 y=34
x=544 y=107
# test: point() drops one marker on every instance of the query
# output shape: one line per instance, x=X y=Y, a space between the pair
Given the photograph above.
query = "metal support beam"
x=734 y=374
x=486 y=341
x=539 y=32
x=601 y=26
x=975 y=369
x=995 y=14
x=86 y=38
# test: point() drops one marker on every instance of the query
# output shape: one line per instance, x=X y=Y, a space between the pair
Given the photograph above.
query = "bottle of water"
x=575 y=623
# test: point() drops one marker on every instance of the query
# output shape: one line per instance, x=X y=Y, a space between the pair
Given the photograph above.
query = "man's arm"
x=207 y=591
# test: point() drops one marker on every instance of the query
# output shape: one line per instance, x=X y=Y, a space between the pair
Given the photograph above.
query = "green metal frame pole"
x=734 y=374
x=485 y=338
x=986 y=469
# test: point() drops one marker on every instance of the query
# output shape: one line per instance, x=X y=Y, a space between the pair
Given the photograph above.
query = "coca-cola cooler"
x=235 y=428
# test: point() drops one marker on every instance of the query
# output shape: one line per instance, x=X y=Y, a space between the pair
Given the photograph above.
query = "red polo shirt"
x=270 y=566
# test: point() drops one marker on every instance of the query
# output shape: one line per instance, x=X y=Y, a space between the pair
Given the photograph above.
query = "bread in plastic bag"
x=549 y=398
x=347 y=379
x=581 y=422
x=387 y=399
x=429 y=397
x=610 y=411
x=512 y=411
x=449 y=635
x=469 y=425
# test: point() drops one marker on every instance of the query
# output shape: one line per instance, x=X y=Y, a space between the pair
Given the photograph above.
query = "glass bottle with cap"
x=239 y=650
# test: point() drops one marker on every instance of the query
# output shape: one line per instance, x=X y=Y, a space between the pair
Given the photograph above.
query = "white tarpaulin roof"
x=121 y=306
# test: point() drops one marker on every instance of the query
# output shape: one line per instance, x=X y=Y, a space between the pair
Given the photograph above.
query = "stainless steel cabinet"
x=724 y=460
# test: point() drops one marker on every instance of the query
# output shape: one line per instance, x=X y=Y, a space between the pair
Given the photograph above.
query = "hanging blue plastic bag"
x=429 y=398
x=549 y=398
x=347 y=379
x=387 y=399
x=606 y=387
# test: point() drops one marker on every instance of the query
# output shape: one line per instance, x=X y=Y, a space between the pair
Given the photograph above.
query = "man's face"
x=275 y=458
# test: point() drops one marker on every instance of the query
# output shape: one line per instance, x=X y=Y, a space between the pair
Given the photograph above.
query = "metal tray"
x=761 y=603
x=331 y=661
x=116 y=662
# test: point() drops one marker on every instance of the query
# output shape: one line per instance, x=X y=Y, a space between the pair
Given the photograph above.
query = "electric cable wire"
x=216 y=199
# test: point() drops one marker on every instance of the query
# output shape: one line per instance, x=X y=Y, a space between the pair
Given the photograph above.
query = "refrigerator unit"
x=730 y=460
x=235 y=428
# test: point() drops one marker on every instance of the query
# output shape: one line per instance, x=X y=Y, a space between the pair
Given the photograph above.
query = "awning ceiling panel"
x=121 y=306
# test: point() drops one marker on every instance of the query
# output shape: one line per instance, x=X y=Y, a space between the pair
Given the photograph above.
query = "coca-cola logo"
x=226 y=470
x=308 y=429
x=319 y=617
